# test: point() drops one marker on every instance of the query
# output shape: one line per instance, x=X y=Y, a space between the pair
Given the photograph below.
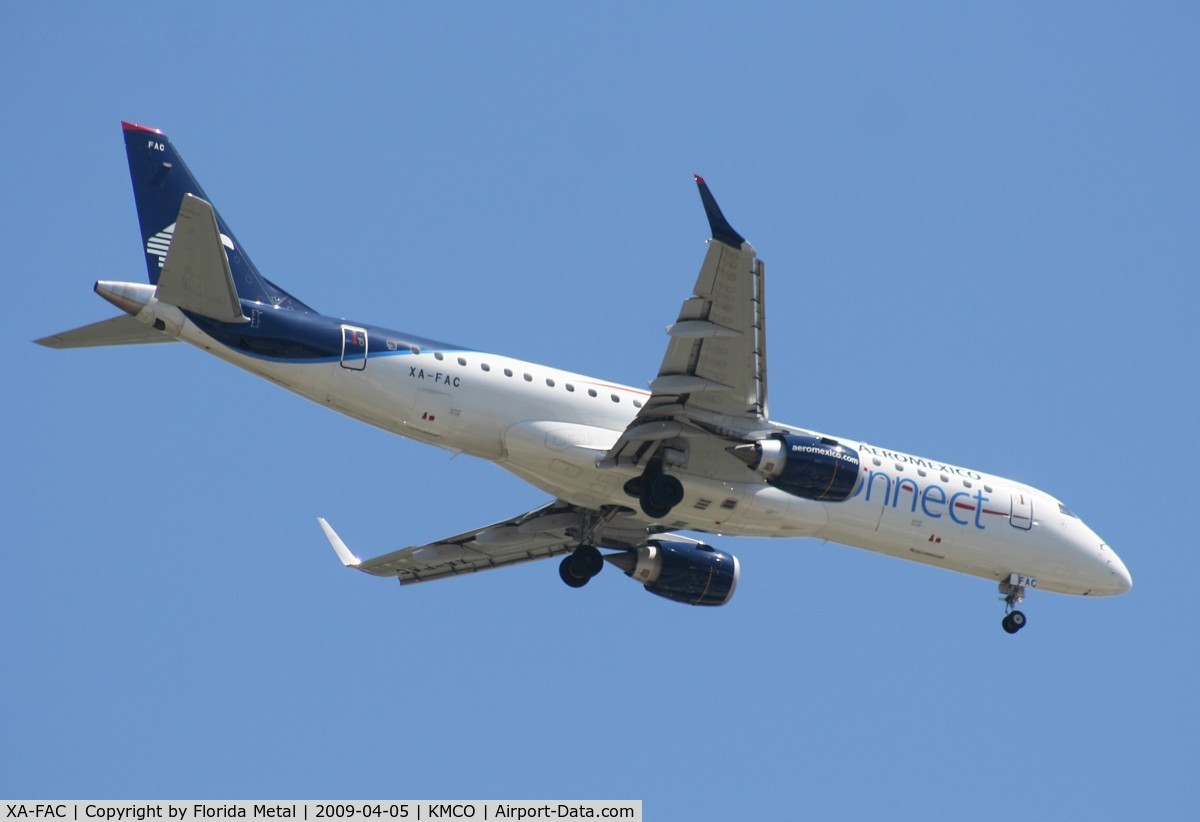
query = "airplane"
x=626 y=469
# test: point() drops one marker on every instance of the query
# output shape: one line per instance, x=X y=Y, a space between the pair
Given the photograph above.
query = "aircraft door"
x=354 y=348
x=1022 y=511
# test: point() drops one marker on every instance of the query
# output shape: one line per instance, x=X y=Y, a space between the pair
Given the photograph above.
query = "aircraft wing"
x=713 y=377
x=549 y=531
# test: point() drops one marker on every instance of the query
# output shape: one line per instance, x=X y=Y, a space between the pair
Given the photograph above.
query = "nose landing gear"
x=1014 y=592
x=1013 y=622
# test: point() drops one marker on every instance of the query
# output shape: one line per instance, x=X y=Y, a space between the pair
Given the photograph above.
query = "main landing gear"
x=1014 y=591
x=657 y=493
x=577 y=568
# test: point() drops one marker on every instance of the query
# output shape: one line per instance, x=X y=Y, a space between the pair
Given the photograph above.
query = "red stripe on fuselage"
x=967 y=507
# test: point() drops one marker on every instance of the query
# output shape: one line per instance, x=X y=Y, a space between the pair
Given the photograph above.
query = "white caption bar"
x=413 y=810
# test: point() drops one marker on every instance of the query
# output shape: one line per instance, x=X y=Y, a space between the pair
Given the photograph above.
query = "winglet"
x=348 y=559
x=721 y=229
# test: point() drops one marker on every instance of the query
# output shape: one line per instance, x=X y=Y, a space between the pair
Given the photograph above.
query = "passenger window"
x=637 y=403
x=615 y=398
x=966 y=484
x=570 y=387
x=944 y=478
x=438 y=356
x=508 y=372
x=591 y=392
x=528 y=378
x=921 y=472
x=462 y=361
x=485 y=366
x=550 y=382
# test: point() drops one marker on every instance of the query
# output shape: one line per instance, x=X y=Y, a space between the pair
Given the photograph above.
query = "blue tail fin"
x=160 y=181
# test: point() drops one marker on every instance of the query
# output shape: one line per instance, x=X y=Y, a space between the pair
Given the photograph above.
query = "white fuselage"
x=550 y=427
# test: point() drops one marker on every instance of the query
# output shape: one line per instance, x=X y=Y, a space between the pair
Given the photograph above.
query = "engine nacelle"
x=816 y=468
x=690 y=572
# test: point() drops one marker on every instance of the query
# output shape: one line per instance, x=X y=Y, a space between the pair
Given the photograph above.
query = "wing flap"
x=719 y=339
x=441 y=560
x=545 y=532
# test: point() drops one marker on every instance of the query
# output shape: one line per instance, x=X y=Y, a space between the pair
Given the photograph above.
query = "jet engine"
x=690 y=572
x=816 y=468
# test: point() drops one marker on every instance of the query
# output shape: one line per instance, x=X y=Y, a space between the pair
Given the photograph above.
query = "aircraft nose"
x=1120 y=579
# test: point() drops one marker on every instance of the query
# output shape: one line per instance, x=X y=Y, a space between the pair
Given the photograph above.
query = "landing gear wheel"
x=659 y=495
x=1013 y=591
x=580 y=566
x=1013 y=622
x=568 y=575
x=665 y=491
x=651 y=510
x=586 y=561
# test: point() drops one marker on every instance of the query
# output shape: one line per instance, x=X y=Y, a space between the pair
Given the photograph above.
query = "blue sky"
x=979 y=223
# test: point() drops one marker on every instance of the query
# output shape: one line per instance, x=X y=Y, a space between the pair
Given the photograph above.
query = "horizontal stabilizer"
x=195 y=275
x=123 y=330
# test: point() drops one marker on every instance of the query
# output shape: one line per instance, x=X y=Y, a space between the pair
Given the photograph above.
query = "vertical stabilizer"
x=161 y=180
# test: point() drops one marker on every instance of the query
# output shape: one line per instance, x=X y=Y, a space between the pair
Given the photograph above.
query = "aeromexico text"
x=908 y=459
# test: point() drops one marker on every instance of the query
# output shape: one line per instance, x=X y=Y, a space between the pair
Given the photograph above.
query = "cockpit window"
x=1066 y=510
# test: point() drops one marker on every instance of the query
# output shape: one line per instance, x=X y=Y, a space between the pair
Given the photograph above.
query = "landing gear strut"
x=1014 y=591
x=577 y=568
